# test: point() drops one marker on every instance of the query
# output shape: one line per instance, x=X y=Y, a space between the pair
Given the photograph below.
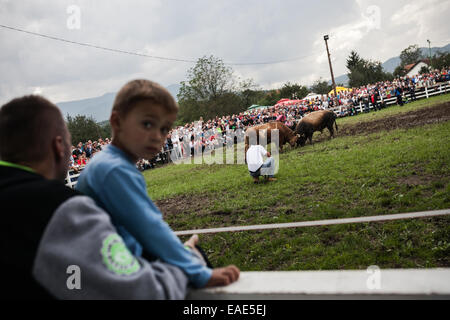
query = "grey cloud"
x=235 y=31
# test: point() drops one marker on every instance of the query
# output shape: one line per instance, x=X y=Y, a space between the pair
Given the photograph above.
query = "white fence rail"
x=72 y=178
x=316 y=223
x=373 y=283
x=421 y=93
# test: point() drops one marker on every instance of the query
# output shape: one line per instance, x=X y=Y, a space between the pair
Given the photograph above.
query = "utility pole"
x=429 y=46
x=326 y=37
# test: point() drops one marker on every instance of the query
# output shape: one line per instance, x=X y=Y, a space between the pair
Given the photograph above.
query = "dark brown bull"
x=286 y=135
x=316 y=121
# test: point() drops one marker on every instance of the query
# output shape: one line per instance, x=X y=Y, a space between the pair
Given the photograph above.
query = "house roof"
x=408 y=67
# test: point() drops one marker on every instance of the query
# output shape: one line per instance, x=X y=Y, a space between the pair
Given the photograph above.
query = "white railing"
x=72 y=178
x=373 y=283
x=421 y=93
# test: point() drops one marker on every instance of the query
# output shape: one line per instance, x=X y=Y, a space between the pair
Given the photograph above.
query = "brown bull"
x=316 y=121
x=286 y=135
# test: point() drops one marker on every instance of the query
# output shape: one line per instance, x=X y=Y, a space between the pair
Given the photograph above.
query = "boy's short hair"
x=27 y=127
x=141 y=89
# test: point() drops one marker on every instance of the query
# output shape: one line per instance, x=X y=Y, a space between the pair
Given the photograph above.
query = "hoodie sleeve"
x=81 y=256
x=125 y=199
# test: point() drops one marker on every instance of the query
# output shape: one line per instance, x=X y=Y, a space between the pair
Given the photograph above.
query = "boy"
x=142 y=116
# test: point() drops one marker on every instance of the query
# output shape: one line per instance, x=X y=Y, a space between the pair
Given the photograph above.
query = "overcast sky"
x=236 y=31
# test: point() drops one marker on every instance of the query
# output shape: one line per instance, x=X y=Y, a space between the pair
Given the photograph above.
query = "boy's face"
x=142 y=132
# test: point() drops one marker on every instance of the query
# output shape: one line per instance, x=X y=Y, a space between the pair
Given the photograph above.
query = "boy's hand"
x=191 y=243
x=223 y=276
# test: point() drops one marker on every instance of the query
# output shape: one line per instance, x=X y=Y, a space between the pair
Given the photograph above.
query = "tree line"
x=84 y=128
x=363 y=71
x=212 y=90
x=413 y=54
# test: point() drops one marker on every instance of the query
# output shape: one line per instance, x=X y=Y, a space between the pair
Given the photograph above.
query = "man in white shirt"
x=256 y=164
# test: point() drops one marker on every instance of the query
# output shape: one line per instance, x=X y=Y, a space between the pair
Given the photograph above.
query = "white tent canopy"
x=312 y=96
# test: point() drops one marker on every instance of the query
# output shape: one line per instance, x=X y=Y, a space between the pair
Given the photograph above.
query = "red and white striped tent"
x=288 y=102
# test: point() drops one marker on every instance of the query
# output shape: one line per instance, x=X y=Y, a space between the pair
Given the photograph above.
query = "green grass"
x=382 y=173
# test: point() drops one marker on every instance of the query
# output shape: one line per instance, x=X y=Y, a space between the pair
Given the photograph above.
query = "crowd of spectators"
x=404 y=89
x=203 y=136
x=83 y=152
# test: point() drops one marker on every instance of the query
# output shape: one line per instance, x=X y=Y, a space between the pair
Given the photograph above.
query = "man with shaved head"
x=55 y=242
x=33 y=133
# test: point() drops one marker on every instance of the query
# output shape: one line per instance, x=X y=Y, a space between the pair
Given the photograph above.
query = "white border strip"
x=424 y=214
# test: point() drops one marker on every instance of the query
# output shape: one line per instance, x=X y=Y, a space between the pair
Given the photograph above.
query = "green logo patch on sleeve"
x=117 y=257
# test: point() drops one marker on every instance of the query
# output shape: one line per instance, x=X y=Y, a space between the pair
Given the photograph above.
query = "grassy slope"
x=382 y=173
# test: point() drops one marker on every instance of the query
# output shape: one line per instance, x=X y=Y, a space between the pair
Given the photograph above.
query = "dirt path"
x=436 y=114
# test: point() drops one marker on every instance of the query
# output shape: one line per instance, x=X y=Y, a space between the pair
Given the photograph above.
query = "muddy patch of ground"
x=432 y=115
x=415 y=180
x=183 y=204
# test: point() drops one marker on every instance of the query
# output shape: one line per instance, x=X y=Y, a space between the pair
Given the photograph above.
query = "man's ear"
x=114 y=120
x=59 y=148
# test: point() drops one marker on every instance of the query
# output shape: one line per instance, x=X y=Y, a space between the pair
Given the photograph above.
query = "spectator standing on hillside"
x=176 y=146
x=398 y=95
x=95 y=146
x=192 y=145
x=376 y=96
x=366 y=103
x=82 y=160
x=412 y=91
x=78 y=150
x=88 y=149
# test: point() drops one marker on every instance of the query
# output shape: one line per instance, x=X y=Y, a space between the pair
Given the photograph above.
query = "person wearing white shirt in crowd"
x=176 y=148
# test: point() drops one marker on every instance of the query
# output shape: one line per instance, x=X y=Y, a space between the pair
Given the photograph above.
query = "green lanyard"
x=13 y=165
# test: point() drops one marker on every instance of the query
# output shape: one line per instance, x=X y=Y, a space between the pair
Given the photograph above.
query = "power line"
x=95 y=46
x=146 y=55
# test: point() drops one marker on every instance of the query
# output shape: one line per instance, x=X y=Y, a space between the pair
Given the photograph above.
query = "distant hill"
x=174 y=89
x=392 y=63
x=99 y=108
